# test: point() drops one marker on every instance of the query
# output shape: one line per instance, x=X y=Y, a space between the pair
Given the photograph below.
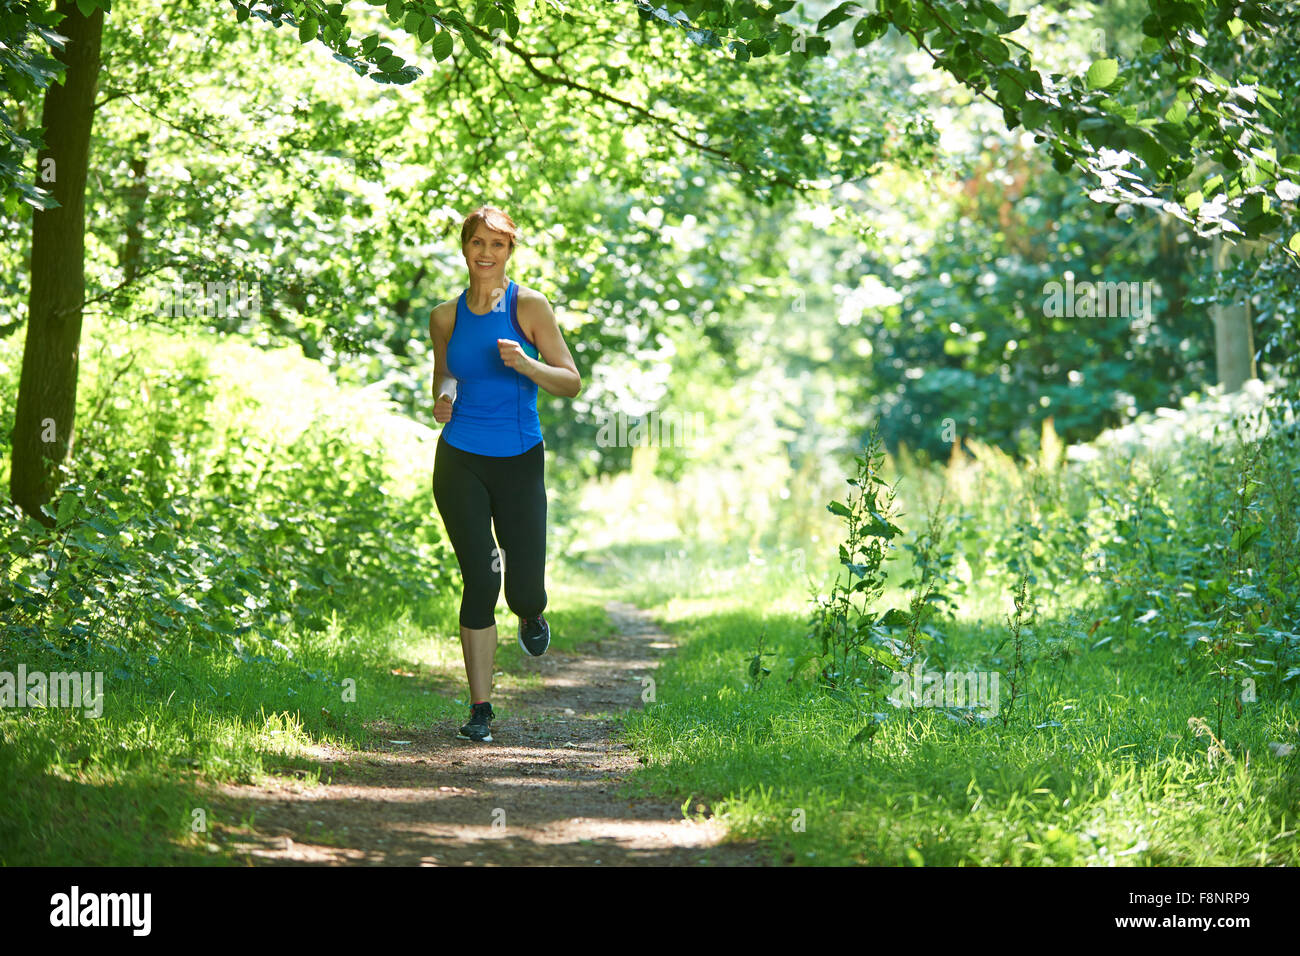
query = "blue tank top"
x=495 y=412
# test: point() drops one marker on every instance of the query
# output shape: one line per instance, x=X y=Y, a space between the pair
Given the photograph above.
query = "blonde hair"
x=495 y=219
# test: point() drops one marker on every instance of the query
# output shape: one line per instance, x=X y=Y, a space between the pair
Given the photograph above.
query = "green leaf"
x=1148 y=149
x=1034 y=113
x=1245 y=536
x=837 y=16
x=472 y=44
x=816 y=46
x=1294 y=244
x=1261 y=225
x=1102 y=74
x=869 y=29
x=394 y=10
x=87 y=7
x=307 y=30
x=427 y=29
x=442 y=45
x=1013 y=23
x=994 y=12
x=865 y=734
x=1256 y=204
x=895 y=618
x=1010 y=89
x=882 y=656
x=100 y=527
x=800 y=663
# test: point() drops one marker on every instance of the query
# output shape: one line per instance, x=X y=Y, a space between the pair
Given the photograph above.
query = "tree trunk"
x=128 y=258
x=45 y=415
x=1234 y=338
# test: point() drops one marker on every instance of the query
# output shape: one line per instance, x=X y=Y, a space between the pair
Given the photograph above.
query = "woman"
x=488 y=467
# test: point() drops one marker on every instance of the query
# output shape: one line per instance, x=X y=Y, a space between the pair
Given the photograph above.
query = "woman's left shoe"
x=479 y=727
x=534 y=635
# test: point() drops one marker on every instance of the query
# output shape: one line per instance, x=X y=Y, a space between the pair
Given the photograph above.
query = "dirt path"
x=543 y=793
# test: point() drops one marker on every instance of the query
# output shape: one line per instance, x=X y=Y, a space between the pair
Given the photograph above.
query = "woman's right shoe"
x=479 y=727
x=534 y=635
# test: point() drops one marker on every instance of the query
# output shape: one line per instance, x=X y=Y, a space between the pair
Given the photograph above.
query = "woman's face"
x=487 y=251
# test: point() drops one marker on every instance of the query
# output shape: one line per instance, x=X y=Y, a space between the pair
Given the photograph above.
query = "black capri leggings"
x=473 y=493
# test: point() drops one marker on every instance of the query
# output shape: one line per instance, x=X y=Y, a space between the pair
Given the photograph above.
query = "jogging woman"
x=488 y=468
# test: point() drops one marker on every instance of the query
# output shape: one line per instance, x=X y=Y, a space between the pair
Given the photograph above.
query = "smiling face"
x=487 y=251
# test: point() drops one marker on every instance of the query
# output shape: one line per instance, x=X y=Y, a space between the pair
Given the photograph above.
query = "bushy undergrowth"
x=247 y=556
x=1187 y=552
x=1139 y=607
x=201 y=519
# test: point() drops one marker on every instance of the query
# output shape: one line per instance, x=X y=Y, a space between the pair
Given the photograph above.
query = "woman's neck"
x=482 y=292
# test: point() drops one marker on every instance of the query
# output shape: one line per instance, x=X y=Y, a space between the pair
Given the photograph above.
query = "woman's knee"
x=478 y=603
x=526 y=600
x=478 y=624
x=476 y=613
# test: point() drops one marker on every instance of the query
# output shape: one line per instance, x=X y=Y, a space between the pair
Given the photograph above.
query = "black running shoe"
x=478 y=727
x=534 y=635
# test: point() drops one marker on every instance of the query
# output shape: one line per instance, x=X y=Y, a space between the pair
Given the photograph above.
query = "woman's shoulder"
x=530 y=296
x=442 y=317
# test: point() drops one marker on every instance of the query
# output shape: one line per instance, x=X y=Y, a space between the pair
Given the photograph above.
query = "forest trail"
x=542 y=794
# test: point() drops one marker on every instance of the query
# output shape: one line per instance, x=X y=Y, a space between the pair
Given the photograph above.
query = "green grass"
x=1121 y=781
x=122 y=789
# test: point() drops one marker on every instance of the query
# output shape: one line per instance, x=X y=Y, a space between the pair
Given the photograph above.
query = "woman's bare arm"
x=444 y=385
x=558 y=374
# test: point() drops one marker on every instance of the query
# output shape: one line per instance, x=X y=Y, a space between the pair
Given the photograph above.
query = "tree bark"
x=128 y=258
x=1234 y=337
x=45 y=416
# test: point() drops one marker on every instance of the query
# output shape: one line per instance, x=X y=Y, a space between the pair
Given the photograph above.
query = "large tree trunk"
x=47 y=393
x=1234 y=338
